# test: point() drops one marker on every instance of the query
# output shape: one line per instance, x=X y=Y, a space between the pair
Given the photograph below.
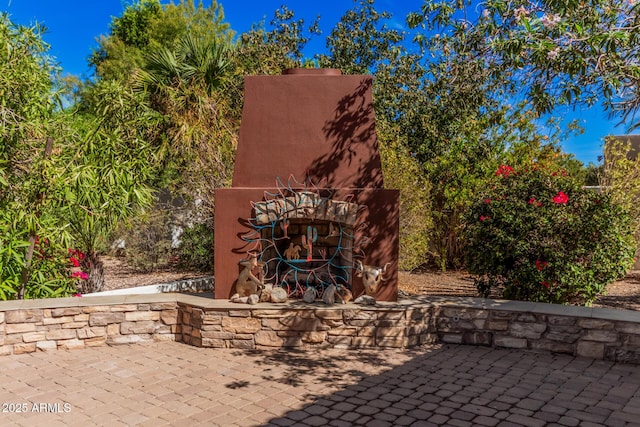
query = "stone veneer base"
x=73 y=323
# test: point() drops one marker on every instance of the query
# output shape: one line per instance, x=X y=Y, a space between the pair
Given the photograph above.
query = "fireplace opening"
x=305 y=240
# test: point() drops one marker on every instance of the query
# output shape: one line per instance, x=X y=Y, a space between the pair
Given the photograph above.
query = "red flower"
x=76 y=253
x=77 y=295
x=561 y=198
x=545 y=284
x=532 y=200
x=75 y=262
x=81 y=274
x=487 y=201
x=504 y=170
x=540 y=265
x=484 y=218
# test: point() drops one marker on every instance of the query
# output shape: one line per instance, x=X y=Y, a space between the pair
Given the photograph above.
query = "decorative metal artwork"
x=305 y=238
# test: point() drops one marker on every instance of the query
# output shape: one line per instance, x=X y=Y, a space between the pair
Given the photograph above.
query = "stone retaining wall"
x=29 y=329
x=598 y=338
x=512 y=324
x=28 y=326
x=352 y=327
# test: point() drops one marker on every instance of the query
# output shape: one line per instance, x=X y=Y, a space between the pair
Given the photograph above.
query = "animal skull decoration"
x=371 y=276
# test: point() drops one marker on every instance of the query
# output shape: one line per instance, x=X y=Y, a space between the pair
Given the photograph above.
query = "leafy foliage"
x=148 y=241
x=147 y=25
x=64 y=176
x=186 y=85
x=182 y=72
x=621 y=179
x=29 y=175
x=445 y=110
x=109 y=173
x=555 y=52
x=196 y=250
x=538 y=236
x=262 y=51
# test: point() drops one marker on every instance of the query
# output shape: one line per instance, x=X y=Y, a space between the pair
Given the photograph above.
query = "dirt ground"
x=623 y=294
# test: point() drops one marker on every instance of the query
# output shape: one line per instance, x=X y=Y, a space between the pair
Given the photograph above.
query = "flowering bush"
x=536 y=235
x=79 y=268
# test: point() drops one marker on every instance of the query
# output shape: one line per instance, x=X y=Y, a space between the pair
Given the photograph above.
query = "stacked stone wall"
x=68 y=328
x=412 y=325
x=595 y=333
x=354 y=327
x=598 y=338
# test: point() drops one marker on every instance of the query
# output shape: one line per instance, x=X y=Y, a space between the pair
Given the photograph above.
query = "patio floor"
x=175 y=384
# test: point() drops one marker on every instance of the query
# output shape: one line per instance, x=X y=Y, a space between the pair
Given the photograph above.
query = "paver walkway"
x=175 y=384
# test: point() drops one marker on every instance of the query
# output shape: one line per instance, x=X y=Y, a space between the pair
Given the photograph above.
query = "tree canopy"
x=575 y=52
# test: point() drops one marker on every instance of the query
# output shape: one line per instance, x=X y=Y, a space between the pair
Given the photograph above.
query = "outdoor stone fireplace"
x=307 y=194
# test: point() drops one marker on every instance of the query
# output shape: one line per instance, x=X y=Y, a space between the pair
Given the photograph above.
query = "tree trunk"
x=32 y=237
x=26 y=270
x=95 y=281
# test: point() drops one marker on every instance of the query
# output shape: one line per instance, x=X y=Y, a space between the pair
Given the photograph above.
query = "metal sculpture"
x=288 y=221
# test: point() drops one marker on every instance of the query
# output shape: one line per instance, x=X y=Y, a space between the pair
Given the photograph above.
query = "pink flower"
x=484 y=218
x=75 y=262
x=561 y=198
x=77 y=295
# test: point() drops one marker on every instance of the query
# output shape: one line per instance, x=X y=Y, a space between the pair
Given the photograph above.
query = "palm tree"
x=181 y=76
x=189 y=84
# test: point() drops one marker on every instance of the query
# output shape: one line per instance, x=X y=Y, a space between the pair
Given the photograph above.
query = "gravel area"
x=118 y=275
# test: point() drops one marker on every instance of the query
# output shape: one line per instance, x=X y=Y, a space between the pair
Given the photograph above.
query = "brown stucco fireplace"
x=307 y=193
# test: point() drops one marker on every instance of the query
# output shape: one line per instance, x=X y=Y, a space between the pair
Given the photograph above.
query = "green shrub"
x=49 y=274
x=403 y=172
x=148 y=242
x=621 y=179
x=538 y=236
x=196 y=250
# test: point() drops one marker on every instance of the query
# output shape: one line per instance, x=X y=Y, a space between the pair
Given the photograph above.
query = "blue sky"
x=74 y=25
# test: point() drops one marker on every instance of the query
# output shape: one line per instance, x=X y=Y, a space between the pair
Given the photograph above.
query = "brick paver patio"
x=176 y=384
